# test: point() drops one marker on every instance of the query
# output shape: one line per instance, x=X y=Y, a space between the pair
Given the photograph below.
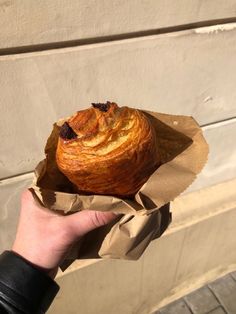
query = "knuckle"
x=98 y=219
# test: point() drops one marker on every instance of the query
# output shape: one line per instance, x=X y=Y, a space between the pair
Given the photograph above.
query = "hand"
x=44 y=237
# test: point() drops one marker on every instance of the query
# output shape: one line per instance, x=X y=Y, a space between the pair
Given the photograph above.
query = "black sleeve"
x=23 y=287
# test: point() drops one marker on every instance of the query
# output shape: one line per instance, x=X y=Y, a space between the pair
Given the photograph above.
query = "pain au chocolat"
x=108 y=150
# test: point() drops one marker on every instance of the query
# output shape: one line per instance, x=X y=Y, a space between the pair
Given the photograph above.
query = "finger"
x=87 y=220
x=29 y=198
x=31 y=205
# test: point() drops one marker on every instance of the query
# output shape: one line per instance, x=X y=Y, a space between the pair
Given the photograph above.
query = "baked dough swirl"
x=107 y=150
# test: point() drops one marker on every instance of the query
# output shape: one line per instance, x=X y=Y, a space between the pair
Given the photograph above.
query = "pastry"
x=108 y=150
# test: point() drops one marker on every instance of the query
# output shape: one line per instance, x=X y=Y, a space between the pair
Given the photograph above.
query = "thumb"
x=86 y=220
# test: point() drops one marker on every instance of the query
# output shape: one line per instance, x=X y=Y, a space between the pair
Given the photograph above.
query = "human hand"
x=44 y=237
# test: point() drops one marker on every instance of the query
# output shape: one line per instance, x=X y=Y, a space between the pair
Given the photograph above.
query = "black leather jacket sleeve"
x=24 y=288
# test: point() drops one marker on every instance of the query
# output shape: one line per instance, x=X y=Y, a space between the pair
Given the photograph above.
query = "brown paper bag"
x=183 y=152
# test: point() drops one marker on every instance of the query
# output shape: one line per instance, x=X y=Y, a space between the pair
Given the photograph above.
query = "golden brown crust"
x=108 y=150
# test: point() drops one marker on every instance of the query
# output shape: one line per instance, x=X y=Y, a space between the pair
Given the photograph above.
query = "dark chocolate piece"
x=102 y=107
x=66 y=132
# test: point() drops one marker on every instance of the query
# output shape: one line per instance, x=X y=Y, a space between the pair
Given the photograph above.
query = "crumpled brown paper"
x=183 y=152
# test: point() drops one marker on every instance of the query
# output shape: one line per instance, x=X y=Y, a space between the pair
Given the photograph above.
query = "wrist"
x=18 y=279
x=35 y=262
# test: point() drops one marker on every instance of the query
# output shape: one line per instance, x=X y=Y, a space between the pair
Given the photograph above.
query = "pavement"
x=217 y=297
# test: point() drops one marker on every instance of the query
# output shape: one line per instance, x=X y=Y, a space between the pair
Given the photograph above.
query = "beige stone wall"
x=57 y=57
x=25 y=23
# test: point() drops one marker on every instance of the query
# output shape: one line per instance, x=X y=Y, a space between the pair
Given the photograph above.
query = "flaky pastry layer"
x=108 y=150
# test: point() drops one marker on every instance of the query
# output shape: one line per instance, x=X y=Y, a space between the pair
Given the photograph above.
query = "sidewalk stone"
x=177 y=307
x=218 y=310
x=225 y=290
x=218 y=297
x=201 y=301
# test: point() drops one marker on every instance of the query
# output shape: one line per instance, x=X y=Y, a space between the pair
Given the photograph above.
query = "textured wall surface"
x=45 y=22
